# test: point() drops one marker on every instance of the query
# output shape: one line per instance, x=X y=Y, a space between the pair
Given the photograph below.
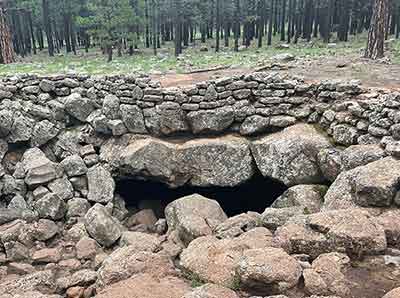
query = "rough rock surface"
x=194 y=216
x=102 y=226
x=215 y=260
x=372 y=185
x=146 y=286
x=271 y=268
x=290 y=156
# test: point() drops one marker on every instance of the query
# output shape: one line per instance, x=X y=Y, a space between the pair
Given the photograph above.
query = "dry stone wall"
x=63 y=139
x=35 y=109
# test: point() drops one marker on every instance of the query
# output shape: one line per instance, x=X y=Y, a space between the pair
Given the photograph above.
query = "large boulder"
x=353 y=231
x=372 y=185
x=216 y=260
x=194 y=216
x=147 y=286
x=225 y=161
x=102 y=226
x=291 y=156
x=268 y=268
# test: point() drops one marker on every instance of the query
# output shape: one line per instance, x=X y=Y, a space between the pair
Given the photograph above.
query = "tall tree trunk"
x=237 y=25
x=217 y=25
x=376 y=35
x=178 y=28
x=47 y=27
x=6 y=47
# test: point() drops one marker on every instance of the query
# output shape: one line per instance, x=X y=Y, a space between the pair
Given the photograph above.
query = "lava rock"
x=102 y=226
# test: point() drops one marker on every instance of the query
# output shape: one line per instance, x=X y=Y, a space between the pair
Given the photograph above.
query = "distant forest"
x=121 y=26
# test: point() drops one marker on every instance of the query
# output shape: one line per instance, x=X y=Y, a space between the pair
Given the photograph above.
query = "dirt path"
x=371 y=74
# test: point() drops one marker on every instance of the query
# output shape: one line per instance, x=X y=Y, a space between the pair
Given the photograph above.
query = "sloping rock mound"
x=194 y=216
x=224 y=161
x=147 y=286
x=291 y=156
x=372 y=185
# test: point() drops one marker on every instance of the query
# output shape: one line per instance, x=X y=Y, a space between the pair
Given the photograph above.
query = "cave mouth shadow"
x=254 y=195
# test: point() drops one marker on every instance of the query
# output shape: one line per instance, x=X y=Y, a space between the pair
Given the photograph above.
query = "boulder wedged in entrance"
x=224 y=161
x=291 y=156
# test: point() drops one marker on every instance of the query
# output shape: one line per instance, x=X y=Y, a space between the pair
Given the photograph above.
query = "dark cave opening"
x=255 y=195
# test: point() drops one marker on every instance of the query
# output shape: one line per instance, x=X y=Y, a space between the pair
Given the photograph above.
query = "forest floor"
x=313 y=61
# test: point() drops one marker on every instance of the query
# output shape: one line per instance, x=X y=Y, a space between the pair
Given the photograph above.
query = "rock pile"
x=66 y=232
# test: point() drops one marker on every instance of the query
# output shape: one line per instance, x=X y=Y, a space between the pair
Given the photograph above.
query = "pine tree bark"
x=6 y=47
x=376 y=35
x=47 y=27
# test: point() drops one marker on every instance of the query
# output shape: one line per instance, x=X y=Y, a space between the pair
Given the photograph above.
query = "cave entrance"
x=255 y=195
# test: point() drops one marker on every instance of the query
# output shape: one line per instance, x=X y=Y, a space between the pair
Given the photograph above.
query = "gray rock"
x=101 y=226
x=282 y=121
x=372 y=185
x=254 y=125
x=273 y=218
x=74 y=166
x=111 y=107
x=309 y=197
x=284 y=57
x=44 y=230
x=213 y=121
x=77 y=207
x=193 y=216
x=133 y=119
x=6 y=121
x=21 y=130
x=47 y=85
x=360 y=155
x=291 y=156
x=78 y=107
x=101 y=185
x=3 y=149
x=43 y=132
x=344 y=134
x=62 y=188
x=8 y=215
x=330 y=163
x=173 y=121
x=225 y=161
x=39 y=169
x=50 y=207
x=211 y=93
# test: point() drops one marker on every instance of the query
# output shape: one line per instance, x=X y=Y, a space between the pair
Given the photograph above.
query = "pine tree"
x=376 y=35
x=6 y=49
